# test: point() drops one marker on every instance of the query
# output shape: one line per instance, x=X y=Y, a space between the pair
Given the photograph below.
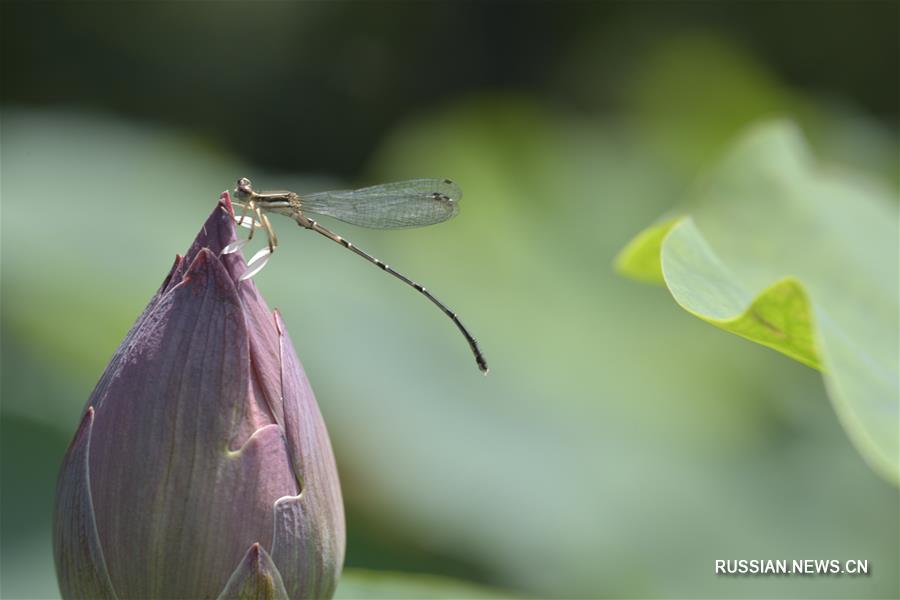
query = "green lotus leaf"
x=799 y=258
x=639 y=259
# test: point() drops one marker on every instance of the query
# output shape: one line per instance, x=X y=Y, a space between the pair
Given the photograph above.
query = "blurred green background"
x=619 y=445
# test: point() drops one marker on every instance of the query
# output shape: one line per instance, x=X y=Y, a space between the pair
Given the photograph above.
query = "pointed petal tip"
x=83 y=431
x=217 y=231
x=256 y=576
x=279 y=322
x=225 y=202
x=254 y=557
x=207 y=265
x=167 y=282
x=198 y=266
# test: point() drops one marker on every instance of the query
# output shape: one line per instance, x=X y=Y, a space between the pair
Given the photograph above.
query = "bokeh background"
x=619 y=445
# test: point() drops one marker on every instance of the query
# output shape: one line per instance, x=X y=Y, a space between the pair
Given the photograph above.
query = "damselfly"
x=413 y=203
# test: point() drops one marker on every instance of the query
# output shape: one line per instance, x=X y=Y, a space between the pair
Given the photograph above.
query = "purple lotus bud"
x=202 y=467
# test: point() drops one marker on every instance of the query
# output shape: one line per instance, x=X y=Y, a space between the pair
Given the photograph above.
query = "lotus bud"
x=201 y=467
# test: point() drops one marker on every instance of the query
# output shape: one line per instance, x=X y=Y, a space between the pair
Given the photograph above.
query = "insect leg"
x=270 y=233
x=251 y=205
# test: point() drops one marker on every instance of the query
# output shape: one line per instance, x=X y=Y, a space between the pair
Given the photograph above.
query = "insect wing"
x=413 y=203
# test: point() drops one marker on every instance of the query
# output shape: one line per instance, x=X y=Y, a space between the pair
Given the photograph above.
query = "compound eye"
x=243 y=185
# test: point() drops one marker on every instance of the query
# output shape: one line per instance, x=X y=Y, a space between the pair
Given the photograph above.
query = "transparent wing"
x=413 y=203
